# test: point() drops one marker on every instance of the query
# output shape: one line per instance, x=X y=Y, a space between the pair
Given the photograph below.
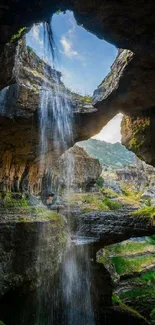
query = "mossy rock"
x=118 y=302
x=13 y=200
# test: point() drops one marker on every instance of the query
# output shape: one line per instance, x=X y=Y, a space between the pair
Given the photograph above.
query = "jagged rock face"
x=127 y=25
x=138 y=135
x=123 y=90
x=140 y=176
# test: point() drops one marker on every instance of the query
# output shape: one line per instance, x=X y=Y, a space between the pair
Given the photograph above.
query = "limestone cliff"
x=20 y=112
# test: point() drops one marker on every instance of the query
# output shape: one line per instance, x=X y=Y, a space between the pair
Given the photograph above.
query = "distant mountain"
x=114 y=155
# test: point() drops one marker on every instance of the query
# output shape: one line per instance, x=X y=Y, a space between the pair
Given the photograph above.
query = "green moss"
x=133 y=144
x=152 y=239
x=128 y=248
x=138 y=292
x=19 y=34
x=139 y=128
x=35 y=89
x=14 y=200
x=118 y=302
x=59 y=11
x=112 y=205
x=87 y=99
x=44 y=214
x=130 y=196
x=145 y=212
x=109 y=193
x=148 y=277
x=38 y=73
x=152 y=316
x=130 y=265
x=127 y=57
x=102 y=260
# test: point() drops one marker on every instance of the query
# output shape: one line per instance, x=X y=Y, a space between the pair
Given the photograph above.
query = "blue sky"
x=83 y=59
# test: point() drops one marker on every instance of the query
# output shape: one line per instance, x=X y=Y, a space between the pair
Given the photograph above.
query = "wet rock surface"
x=110 y=227
x=29 y=237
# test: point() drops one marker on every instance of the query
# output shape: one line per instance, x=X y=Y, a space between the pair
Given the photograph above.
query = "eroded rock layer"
x=20 y=160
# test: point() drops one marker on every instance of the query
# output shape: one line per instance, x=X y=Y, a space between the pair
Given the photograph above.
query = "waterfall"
x=3 y=98
x=77 y=286
x=56 y=120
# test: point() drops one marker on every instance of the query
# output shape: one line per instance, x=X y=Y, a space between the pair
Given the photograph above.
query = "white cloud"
x=68 y=42
x=67 y=47
x=112 y=131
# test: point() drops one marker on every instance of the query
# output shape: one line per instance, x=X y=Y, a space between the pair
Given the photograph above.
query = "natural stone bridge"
x=99 y=229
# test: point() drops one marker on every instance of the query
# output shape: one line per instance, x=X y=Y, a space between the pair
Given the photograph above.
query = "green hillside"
x=114 y=155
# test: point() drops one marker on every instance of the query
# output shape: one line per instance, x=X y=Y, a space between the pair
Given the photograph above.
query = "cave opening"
x=83 y=59
x=100 y=194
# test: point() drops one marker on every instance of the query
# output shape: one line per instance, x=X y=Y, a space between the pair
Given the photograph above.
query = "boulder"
x=78 y=169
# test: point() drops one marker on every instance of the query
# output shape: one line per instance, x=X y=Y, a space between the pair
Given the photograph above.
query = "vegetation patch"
x=93 y=202
x=128 y=248
x=148 y=211
x=138 y=292
x=13 y=200
x=152 y=316
x=39 y=74
x=118 y=302
x=112 y=205
x=87 y=99
x=131 y=265
x=19 y=34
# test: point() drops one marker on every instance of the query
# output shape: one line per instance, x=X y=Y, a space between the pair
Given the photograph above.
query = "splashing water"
x=76 y=286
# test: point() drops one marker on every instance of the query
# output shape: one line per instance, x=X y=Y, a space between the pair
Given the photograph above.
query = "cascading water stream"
x=56 y=120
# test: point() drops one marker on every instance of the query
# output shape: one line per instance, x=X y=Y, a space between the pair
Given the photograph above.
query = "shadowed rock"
x=111 y=227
